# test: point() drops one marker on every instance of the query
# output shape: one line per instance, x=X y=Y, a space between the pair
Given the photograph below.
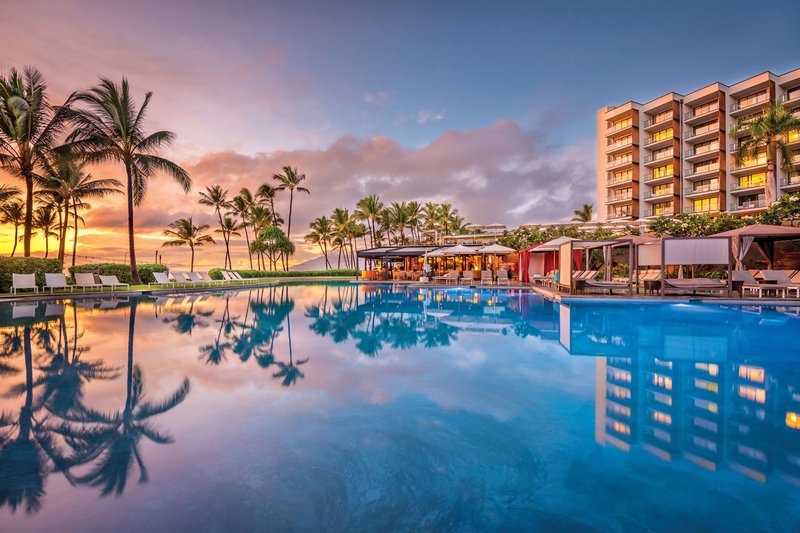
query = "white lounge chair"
x=26 y=282
x=162 y=278
x=752 y=286
x=782 y=279
x=486 y=277
x=56 y=281
x=113 y=282
x=205 y=276
x=85 y=280
x=502 y=277
x=181 y=278
x=195 y=278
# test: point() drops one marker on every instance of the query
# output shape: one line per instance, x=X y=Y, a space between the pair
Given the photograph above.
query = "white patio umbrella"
x=435 y=253
x=496 y=249
x=460 y=249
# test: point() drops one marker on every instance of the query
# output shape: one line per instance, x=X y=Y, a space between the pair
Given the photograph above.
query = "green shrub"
x=123 y=272
x=216 y=273
x=26 y=265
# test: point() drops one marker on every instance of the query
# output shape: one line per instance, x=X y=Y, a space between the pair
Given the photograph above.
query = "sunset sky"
x=487 y=105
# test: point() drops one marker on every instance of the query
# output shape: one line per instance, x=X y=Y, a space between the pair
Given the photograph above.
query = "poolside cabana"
x=540 y=259
x=763 y=236
x=677 y=251
x=568 y=260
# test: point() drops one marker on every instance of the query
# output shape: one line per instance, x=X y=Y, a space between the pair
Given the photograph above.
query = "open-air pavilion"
x=762 y=238
x=573 y=276
x=694 y=251
x=541 y=259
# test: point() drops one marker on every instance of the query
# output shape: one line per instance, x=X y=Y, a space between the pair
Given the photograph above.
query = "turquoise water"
x=368 y=408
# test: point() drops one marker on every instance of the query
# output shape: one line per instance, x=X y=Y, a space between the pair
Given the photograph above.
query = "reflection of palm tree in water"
x=185 y=322
x=215 y=353
x=256 y=338
x=290 y=372
x=115 y=437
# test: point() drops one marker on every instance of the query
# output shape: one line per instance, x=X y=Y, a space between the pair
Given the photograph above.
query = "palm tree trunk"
x=75 y=234
x=225 y=239
x=247 y=239
x=191 y=265
x=769 y=186
x=46 y=242
x=16 y=239
x=131 y=244
x=26 y=238
x=62 y=243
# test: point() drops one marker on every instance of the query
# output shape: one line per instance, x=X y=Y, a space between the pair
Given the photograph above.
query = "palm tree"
x=44 y=219
x=29 y=128
x=229 y=228
x=290 y=180
x=67 y=185
x=240 y=207
x=768 y=135
x=369 y=210
x=265 y=195
x=583 y=214
x=185 y=233
x=399 y=217
x=321 y=234
x=110 y=128
x=446 y=214
x=13 y=213
x=7 y=192
x=289 y=372
x=217 y=197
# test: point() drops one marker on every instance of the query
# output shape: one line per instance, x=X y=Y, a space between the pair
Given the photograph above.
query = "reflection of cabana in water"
x=763 y=236
x=696 y=251
x=568 y=260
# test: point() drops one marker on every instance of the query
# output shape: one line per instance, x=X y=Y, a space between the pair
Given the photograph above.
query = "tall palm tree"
x=13 y=213
x=265 y=195
x=584 y=214
x=7 y=192
x=240 y=207
x=229 y=228
x=369 y=210
x=768 y=135
x=446 y=214
x=399 y=217
x=29 y=128
x=110 y=128
x=290 y=180
x=185 y=233
x=45 y=219
x=66 y=184
x=321 y=234
x=217 y=197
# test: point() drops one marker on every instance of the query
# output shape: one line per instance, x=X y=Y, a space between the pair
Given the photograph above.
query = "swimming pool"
x=372 y=407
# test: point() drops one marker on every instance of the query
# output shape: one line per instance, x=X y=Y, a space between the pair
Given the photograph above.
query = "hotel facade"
x=674 y=154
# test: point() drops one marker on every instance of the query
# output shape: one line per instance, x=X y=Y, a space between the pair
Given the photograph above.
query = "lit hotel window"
x=752 y=373
x=666 y=364
x=663 y=418
x=711 y=368
x=619 y=375
x=754 y=394
x=793 y=136
x=619 y=410
x=662 y=381
x=661 y=398
x=709 y=386
x=619 y=427
x=706 y=405
x=792 y=420
x=619 y=392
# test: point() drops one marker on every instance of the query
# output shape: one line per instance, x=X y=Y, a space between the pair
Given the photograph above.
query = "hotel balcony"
x=793 y=139
x=691 y=118
x=700 y=173
x=748 y=166
x=653 y=144
x=619 y=146
x=665 y=212
x=749 y=206
x=738 y=188
x=616 y=182
x=652 y=179
x=791 y=182
x=652 y=124
x=701 y=190
x=701 y=152
x=619 y=130
x=705 y=133
x=654 y=159
x=689 y=209
x=656 y=196
x=620 y=163
x=792 y=101
x=613 y=215
x=619 y=198
x=755 y=103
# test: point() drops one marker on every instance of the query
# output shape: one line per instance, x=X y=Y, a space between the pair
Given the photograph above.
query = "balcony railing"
x=651 y=177
x=739 y=186
x=619 y=214
x=700 y=150
x=618 y=127
x=619 y=144
x=659 y=193
x=664 y=211
x=614 y=163
x=616 y=181
x=785 y=98
x=658 y=157
x=710 y=187
x=700 y=131
x=695 y=113
x=752 y=204
x=689 y=172
x=690 y=209
x=792 y=179
x=749 y=102
x=749 y=164
x=619 y=197
x=654 y=121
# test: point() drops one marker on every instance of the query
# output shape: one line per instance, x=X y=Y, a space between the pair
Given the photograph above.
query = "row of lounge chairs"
x=87 y=280
x=486 y=278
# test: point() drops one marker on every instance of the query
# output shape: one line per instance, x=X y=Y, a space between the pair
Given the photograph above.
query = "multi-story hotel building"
x=674 y=155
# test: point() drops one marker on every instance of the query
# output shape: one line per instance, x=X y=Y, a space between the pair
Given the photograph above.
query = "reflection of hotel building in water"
x=709 y=413
x=674 y=155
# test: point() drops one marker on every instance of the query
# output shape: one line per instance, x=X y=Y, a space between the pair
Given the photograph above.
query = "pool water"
x=345 y=407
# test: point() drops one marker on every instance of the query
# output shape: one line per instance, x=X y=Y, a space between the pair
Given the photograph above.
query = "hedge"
x=26 y=265
x=216 y=273
x=123 y=272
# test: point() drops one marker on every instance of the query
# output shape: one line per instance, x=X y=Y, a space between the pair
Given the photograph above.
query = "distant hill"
x=318 y=263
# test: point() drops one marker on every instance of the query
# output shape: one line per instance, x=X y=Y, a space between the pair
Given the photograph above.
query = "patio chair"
x=85 y=280
x=162 y=278
x=781 y=278
x=502 y=277
x=486 y=277
x=205 y=276
x=467 y=278
x=695 y=284
x=25 y=282
x=56 y=281
x=197 y=278
x=751 y=285
x=113 y=282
